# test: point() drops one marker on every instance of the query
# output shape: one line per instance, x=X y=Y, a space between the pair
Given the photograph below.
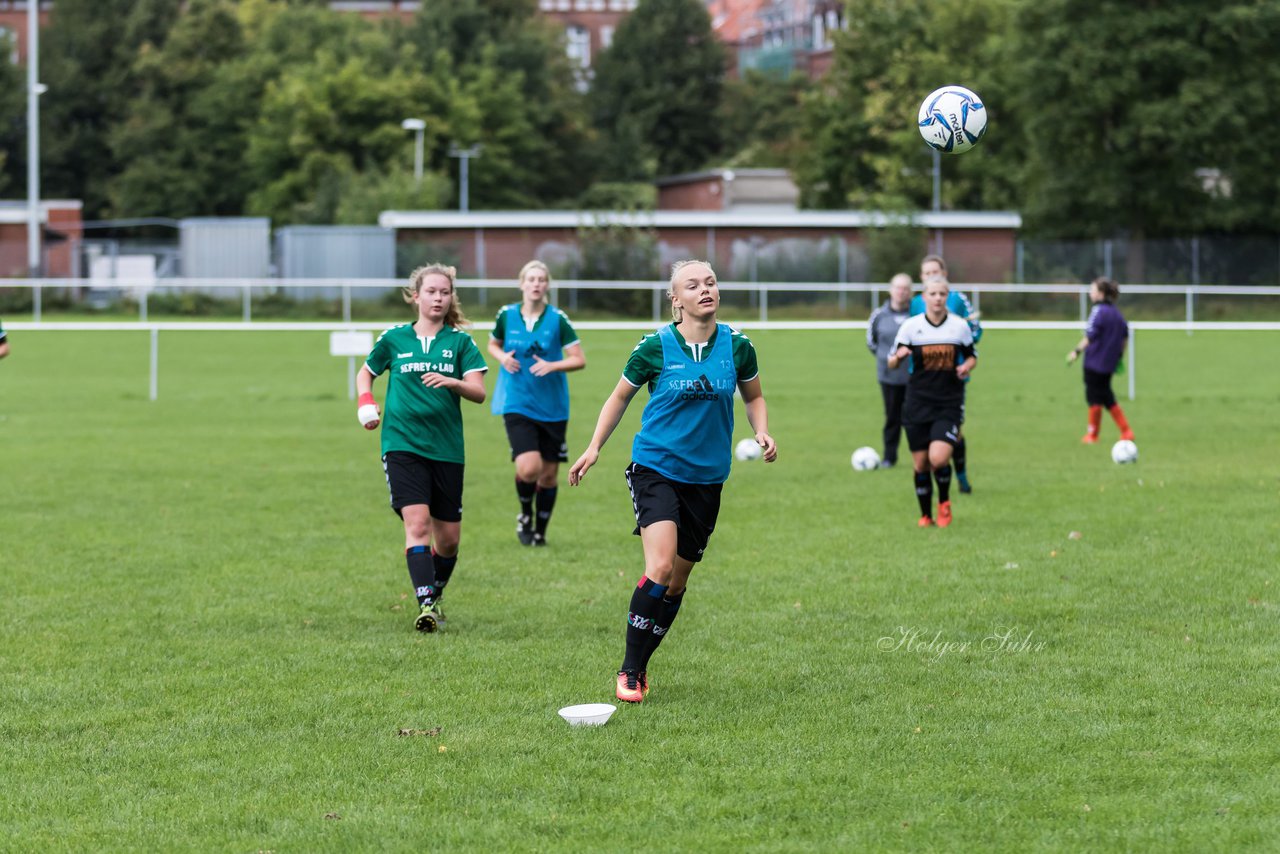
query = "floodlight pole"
x=937 y=196
x=34 y=90
x=464 y=155
x=417 y=126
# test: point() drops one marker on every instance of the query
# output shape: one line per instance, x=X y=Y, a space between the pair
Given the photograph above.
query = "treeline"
x=1151 y=117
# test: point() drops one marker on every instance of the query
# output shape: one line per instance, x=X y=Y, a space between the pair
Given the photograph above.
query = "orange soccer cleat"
x=944 y=514
x=925 y=522
x=643 y=679
x=629 y=690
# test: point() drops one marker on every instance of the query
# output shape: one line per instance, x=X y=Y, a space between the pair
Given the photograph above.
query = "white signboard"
x=350 y=343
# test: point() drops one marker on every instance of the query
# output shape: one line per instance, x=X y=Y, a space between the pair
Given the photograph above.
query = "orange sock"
x=1123 y=423
x=1095 y=422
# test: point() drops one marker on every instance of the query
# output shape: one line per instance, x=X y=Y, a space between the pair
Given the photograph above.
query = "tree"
x=511 y=89
x=1131 y=100
x=13 y=120
x=863 y=146
x=759 y=117
x=87 y=56
x=181 y=144
x=657 y=90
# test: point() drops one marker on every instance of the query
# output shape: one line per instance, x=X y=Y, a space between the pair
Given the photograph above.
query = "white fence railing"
x=142 y=290
x=154 y=329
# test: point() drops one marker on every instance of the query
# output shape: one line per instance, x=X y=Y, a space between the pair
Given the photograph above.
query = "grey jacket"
x=882 y=328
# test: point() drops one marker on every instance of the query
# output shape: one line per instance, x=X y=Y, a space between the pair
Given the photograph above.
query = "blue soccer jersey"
x=686 y=430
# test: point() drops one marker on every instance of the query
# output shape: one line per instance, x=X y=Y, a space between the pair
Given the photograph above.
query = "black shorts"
x=413 y=479
x=546 y=437
x=1097 y=389
x=692 y=506
x=944 y=427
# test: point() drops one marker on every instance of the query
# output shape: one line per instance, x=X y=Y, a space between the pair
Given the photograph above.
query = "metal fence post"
x=346 y=303
x=842 y=271
x=142 y=304
x=36 y=301
x=764 y=305
x=1133 y=362
x=155 y=362
x=248 y=302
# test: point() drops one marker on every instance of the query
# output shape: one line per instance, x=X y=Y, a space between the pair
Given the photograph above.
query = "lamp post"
x=417 y=126
x=464 y=155
x=34 y=90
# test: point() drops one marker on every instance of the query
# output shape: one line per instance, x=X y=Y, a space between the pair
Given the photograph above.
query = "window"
x=606 y=37
x=578 y=45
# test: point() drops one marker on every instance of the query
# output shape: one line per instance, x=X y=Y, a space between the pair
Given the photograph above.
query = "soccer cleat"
x=629 y=690
x=944 y=514
x=539 y=539
x=1089 y=439
x=964 y=483
x=925 y=522
x=643 y=679
x=439 y=614
x=428 y=619
x=1127 y=434
x=524 y=529
x=888 y=464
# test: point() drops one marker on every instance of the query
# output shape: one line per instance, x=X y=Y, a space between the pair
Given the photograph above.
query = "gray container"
x=336 y=252
x=225 y=247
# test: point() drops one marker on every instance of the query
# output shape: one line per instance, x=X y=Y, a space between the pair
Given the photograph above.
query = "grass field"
x=207 y=641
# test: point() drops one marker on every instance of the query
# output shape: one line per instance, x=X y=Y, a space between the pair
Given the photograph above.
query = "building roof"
x=694 y=219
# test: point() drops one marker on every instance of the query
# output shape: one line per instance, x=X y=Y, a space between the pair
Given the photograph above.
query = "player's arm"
x=507 y=361
x=758 y=416
x=470 y=387
x=899 y=355
x=573 y=360
x=1079 y=348
x=873 y=340
x=4 y=347
x=968 y=362
x=610 y=414
x=366 y=406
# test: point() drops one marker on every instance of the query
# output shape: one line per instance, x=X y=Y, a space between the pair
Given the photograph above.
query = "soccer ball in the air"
x=1124 y=451
x=865 y=459
x=748 y=449
x=952 y=119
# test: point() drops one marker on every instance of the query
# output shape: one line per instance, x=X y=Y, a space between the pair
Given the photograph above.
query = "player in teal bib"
x=535 y=345
x=682 y=454
x=432 y=366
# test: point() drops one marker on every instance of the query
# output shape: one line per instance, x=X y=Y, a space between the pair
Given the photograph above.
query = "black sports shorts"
x=692 y=506
x=943 y=427
x=546 y=437
x=1097 y=389
x=413 y=479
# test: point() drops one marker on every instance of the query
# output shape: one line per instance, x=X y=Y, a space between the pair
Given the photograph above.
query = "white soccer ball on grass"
x=1124 y=451
x=865 y=459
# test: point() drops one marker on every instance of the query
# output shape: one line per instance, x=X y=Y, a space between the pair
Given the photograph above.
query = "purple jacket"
x=1107 y=333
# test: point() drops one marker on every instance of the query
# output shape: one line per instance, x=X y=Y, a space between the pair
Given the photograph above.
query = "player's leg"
x=1117 y=414
x=960 y=454
x=446 y=527
x=699 y=510
x=409 y=482
x=941 y=446
x=552 y=450
x=918 y=444
x=522 y=435
x=893 y=396
x=1096 y=386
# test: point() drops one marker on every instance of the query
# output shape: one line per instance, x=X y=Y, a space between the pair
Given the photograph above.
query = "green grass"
x=207 y=640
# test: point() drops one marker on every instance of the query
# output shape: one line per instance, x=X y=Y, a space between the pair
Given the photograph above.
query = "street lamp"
x=34 y=90
x=417 y=126
x=464 y=155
